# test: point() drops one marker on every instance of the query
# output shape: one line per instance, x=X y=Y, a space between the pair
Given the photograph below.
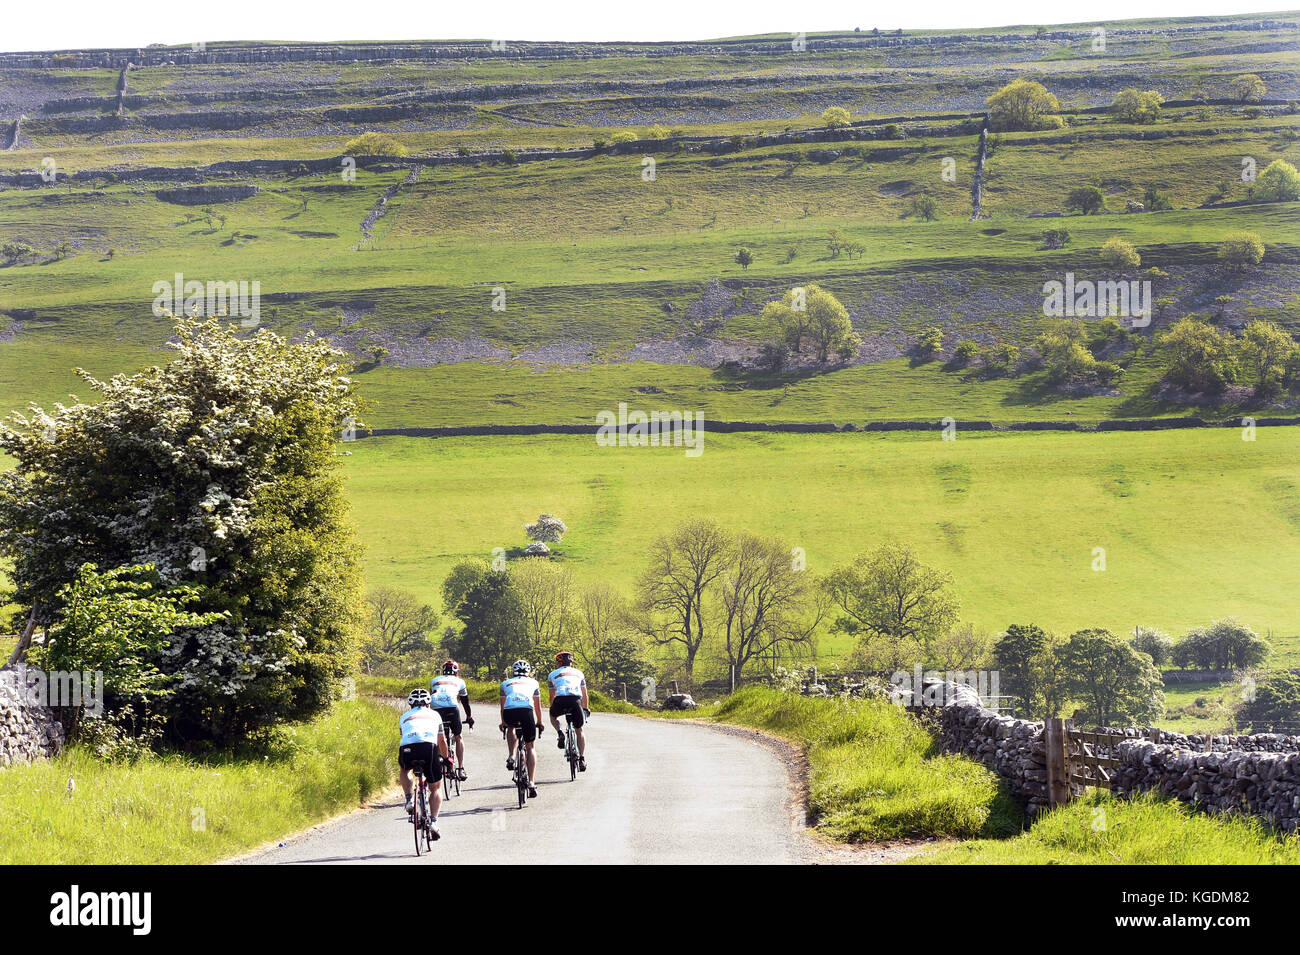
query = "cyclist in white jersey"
x=521 y=712
x=421 y=733
x=569 y=697
x=448 y=690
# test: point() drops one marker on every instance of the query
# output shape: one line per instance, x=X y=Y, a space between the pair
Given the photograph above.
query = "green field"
x=1196 y=525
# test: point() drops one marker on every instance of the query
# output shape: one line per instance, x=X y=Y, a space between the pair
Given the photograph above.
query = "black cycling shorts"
x=570 y=706
x=522 y=719
x=451 y=717
x=408 y=754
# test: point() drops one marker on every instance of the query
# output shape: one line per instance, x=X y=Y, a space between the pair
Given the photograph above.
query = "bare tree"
x=602 y=613
x=768 y=606
x=671 y=591
x=397 y=623
x=548 y=594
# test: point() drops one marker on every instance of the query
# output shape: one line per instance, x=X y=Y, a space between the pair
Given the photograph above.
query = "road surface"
x=656 y=791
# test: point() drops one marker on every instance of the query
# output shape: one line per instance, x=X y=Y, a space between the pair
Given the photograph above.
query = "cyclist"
x=521 y=712
x=447 y=690
x=422 y=731
x=569 y=697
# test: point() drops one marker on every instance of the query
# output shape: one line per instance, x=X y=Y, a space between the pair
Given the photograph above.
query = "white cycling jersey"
x=446 y=690
x=519 y=691
x=420 y=724
x=567 y=681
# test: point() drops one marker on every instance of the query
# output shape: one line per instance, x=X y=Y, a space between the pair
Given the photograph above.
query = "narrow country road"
x=657 y=791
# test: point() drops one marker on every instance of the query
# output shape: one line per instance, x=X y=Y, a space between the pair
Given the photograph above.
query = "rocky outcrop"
x=203 y=195
x=28 y=731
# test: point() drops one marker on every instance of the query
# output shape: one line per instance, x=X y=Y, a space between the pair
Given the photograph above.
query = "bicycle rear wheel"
x=417 y=823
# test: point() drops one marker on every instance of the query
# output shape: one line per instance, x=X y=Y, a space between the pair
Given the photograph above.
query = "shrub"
x=375 y=144
x=1085 y=200
x=1133 y=106
x=1242 y=249
x=836 y=117
x=1120 y=253
x=1154 y=643
x=1279 y=182
x=1224 y=645
x=1021 y=104
x=1197 y=357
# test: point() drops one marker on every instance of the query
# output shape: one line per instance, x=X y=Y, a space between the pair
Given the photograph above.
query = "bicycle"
x=421 y=820
x=450 y=778
x=571 y=746
x=522 y=782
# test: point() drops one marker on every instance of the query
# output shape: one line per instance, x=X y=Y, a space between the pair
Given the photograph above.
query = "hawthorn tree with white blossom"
x=219 y=470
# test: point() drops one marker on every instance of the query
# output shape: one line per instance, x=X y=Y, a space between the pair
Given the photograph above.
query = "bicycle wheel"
x=416 y=822
x=428 y=827
x=571 y=751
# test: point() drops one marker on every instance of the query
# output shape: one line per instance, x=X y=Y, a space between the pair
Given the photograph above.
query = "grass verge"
x=1144 y=830
x=876 y=773
x=179 y=809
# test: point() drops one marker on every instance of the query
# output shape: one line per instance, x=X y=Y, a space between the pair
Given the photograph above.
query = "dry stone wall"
x=27 y=732
x=1255 y=775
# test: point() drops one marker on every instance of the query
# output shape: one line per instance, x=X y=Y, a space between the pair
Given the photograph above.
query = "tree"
x=548 y=597
x=1068 y=362
x=1116 y=684
x=813 y=314
x=13 y=251
x=1133 y=106
x=220 y=469
x=1267 y=350
x=836 y=116
x=1154 y=643
x=963 y=648
x=63 y=250
x=1016 y=653
x=1279 y=182
x=1153 y=200
x=494 y=631
x=965 y=353
x=397 y=625
x=375 y=144
x=930 y=341
x=1197 y=357
x=890 y=595
x=1086 y=200
x=744 y=258
x=1275 y=707
x=462 y=576
x=619 y=659
x=768 y=607
x=548 y=529
x=1242 y=249
x=1226 y=644
x=117 y=623
x=1055 y=238
x=1247 y=88
x=671 y=591
x=1120 y=254
x=1021 y=104
x=924 y=207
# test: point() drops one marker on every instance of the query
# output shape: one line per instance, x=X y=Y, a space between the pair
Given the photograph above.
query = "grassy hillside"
x=1196 y=525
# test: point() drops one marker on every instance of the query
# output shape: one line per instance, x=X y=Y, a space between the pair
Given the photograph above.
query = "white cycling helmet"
x=521 y=668
x=419 y=698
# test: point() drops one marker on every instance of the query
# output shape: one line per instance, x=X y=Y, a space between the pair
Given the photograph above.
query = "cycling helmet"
x=451 y=667
x=419 y=698
x=521 y=668
x=564 y=656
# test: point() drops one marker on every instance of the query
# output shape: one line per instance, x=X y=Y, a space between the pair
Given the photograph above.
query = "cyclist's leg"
x=532 y=760
x=460 y=751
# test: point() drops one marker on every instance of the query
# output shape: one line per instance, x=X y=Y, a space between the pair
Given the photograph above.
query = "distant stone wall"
x=827 y=427
x=27 y=732
x=1256 y=775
